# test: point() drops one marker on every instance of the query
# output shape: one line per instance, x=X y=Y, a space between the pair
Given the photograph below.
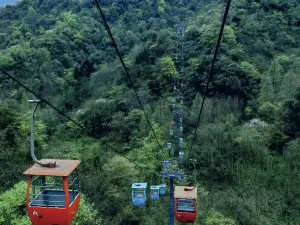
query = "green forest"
x=247 y=146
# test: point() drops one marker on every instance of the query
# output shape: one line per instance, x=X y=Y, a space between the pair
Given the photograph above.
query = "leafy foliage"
x=248 y=141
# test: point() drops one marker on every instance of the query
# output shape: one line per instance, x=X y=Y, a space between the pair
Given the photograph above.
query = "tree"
x=266 y=90
x=167 y=68
x=276 y=74
x=216 y=218
x=290 y=83
x=5 y=60
x=268 y=112
x=291 y=115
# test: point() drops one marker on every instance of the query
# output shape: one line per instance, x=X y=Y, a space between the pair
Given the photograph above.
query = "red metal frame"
x=185 y=217
x=53 y=216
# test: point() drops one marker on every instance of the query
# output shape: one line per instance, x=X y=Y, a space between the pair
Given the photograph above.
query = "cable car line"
x=98 y=6
x=183 y=200
x=181 y=81
x=66 y=116
x=210 y=72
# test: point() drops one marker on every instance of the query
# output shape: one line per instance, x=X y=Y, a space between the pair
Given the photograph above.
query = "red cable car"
x=185 y=204
x=53 y=194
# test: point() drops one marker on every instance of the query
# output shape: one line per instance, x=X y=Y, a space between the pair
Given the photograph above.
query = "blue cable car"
x=162 y=189
x=180 y=156
x=154 y=190
x=171 y=132
x=180 y=30
x=181 y=129
x=138 y=194
x=181 y=141
x=181 y=120
x=169 y=146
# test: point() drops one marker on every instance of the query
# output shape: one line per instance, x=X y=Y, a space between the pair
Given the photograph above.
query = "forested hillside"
x=248 y=143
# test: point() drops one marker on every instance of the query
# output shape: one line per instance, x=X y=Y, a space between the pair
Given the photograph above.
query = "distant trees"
x=167 y=68
x=216 y=218
x=247 y=141
x=291 y=115
x=14 y=156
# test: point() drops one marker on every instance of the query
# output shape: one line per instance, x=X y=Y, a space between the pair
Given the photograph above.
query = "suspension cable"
x=211 y=71
x=90 y=134
x=125 y=68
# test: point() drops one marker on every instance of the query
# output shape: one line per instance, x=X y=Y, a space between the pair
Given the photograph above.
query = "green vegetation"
x=247 y=147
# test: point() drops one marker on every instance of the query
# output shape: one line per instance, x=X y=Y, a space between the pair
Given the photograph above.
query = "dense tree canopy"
x=247 y=146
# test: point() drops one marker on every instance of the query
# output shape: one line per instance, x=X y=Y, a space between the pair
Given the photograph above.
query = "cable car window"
x=138 y=193
x=185 y=205
x=49 y=191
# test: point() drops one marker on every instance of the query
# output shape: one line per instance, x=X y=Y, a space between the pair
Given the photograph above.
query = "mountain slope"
x=248 y=140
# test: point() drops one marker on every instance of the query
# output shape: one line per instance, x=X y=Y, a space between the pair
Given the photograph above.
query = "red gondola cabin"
x=185 y=204
x=53 y=194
